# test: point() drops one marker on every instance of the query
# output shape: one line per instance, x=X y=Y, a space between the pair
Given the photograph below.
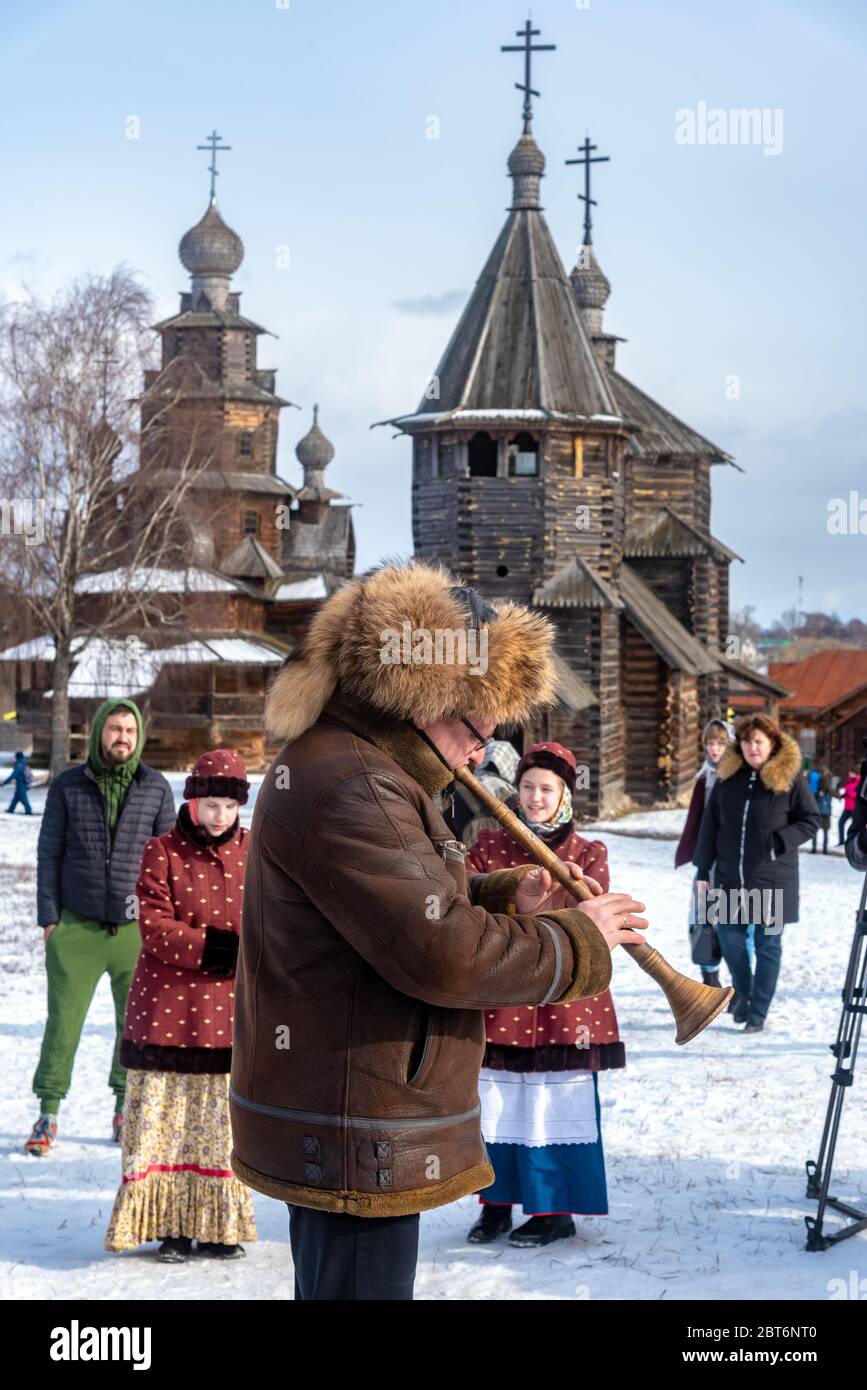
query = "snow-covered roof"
x=165 y=581
x=490 y=413
x=110 y=669
x=106 y=668
x=315 y=587
x=242 y=649
x=37 y=649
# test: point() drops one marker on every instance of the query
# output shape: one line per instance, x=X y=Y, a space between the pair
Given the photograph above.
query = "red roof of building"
x=822 y=680
x=742 y=703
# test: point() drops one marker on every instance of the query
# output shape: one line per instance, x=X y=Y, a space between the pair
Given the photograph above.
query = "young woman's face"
x=217 y=813
x=539 y=792
x=715 y=746
x=757 y=748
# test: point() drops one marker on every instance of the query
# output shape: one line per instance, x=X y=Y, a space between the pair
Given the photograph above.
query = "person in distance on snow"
x=856 y=840
x=368 y=956
x=538 y=1084
x=760 y=810
x=822 y=786
x=849 y=794
x=704 y=942
x=177 y=1183
x=23 y=778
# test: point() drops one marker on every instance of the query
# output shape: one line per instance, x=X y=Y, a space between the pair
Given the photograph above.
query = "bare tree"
x=72 y=419
x=744 y=625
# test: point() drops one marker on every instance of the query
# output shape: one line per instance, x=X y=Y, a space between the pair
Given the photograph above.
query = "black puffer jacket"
x=78 y=865
x=751 y=829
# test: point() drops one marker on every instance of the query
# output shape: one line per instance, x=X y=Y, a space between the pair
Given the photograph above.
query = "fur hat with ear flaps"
x=403 y=639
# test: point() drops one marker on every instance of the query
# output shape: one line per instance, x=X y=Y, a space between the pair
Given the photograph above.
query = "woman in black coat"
x=759 y=812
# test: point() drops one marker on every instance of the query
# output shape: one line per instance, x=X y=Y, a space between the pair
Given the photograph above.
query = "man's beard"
x=119 y=755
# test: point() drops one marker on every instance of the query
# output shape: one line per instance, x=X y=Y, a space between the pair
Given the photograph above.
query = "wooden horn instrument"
x=693 y=1004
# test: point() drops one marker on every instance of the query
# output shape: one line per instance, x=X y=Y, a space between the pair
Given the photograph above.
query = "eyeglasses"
x=483 y=742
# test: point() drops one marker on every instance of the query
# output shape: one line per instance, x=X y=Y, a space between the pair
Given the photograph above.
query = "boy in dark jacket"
x=98 y=817
x=22 y=777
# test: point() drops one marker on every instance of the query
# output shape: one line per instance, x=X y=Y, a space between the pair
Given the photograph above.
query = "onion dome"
x=211 y=252
x=526 y=166
x=314 y=451
x=592 y=288
x=211 y=248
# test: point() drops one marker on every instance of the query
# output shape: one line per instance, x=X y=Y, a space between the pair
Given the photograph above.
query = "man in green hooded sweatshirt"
x=98 y=817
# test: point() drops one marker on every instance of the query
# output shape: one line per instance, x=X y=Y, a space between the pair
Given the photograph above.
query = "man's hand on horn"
x=613 y=913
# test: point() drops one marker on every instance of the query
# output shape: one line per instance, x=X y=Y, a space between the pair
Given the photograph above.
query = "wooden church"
x=257 y=554
x=542 y=474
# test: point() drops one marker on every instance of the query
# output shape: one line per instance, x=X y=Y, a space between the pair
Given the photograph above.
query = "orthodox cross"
x=211 y=144
x=586 y=159
x=105 y=362
x=527 y=48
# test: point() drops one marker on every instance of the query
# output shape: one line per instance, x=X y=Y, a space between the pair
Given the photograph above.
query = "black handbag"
x=704 y=944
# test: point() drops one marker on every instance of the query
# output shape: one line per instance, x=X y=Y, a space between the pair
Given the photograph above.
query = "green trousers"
x=77 y=955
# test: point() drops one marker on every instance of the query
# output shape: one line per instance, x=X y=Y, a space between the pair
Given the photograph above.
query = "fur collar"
x=394 y=737
x=198 y=835
x=779 y=772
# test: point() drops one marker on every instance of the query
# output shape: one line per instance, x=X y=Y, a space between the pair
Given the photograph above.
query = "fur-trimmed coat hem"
x=372 y=1204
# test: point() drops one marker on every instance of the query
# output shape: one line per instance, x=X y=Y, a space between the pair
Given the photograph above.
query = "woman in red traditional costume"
x=177 y=1182
x=538 y=1084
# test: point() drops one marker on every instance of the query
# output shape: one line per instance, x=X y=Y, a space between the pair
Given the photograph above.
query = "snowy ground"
x=705 y=1144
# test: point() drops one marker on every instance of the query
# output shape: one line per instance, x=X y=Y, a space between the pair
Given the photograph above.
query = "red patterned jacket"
x=190 y=896
x=579 y=1036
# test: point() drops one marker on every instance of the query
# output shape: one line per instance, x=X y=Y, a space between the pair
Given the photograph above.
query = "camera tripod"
x=845 y=1050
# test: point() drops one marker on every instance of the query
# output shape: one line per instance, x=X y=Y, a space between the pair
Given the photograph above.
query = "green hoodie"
x=113 y=780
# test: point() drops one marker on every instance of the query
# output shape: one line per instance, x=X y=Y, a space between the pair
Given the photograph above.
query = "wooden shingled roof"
x=520 y=343
x=757 y=679
x=659 y=432
x=677 y=647
x=573 y=694
x=250 y=560
x=576 y=585
x=667 y=533
x=326 y=544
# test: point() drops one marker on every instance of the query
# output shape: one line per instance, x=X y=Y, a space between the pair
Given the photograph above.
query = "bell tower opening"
x=523 y=456
x=482 y=455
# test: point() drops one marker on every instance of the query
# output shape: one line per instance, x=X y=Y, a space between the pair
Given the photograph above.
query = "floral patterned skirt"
x=177 y=1178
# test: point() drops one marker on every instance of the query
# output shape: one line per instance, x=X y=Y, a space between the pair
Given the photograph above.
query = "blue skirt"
x=552 y=1177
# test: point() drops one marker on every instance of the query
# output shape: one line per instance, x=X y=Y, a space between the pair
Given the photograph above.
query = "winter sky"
x=737 y=270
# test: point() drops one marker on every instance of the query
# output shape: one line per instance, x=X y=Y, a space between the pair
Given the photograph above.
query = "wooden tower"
x=543 y=475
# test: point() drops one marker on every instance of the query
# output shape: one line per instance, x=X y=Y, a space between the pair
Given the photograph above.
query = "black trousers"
x=352 y=1257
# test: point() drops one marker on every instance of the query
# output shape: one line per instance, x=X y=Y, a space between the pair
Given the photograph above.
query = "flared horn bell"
x=693 y=1004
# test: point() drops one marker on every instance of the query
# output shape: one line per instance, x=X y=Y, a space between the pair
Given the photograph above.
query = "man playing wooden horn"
x=368 y=956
